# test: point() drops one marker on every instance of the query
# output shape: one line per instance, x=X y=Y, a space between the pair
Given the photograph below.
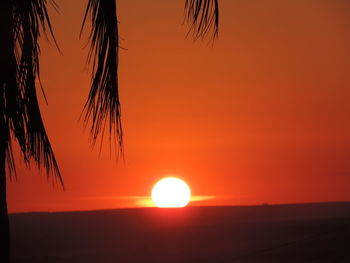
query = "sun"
x=171 y=192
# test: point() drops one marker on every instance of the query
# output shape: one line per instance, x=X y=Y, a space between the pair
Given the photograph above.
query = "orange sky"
x=262 y=116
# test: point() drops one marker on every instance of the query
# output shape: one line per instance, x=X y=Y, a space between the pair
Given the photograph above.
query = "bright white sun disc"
x=171 y=192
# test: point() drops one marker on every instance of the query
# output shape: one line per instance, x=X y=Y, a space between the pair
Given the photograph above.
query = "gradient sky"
x=263 y=115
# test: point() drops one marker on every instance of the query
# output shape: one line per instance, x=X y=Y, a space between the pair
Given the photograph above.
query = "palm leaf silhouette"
x=21 y=23
x=20 y=107
x=202 y=16
x=102 y=106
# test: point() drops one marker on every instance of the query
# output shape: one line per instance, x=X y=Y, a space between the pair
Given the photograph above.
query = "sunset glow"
x=171 y=192
x=256 y=116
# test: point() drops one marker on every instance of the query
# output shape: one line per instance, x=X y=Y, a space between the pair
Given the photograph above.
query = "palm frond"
x=202 y=16
x=9 y=91
x=21 y=110
x=102 y=106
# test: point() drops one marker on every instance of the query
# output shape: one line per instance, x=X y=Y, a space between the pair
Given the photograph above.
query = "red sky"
x=263 y=115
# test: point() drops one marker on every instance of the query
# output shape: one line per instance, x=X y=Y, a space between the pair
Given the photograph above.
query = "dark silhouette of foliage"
x=20 y=28
x=202 y=16
x=103 y=105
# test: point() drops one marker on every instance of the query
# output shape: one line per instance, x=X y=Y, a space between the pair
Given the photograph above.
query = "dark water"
x=284 y=233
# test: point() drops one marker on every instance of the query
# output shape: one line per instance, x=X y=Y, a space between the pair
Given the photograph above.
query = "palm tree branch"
x=102 y=105
x=202 y=17
x=30 y=18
